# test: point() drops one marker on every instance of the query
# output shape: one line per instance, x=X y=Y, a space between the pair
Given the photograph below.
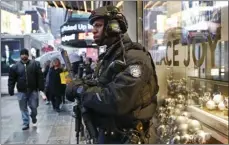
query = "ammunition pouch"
x=146 y=106
x=145 y=113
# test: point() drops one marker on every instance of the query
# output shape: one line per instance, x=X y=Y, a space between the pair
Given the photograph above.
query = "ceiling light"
x=164 y=3
x=92 y=5
x=55 y=4
x=85 y=6
x=148 y=4
x=119 y=4
x=62 y=3
x=156 y=4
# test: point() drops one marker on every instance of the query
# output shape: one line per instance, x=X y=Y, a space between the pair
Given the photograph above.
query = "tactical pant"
x=28 y=99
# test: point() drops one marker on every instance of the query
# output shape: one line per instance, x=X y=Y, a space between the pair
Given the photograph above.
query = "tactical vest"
x=146 y=106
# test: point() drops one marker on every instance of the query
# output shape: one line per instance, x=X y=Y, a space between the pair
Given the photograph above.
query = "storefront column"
x=224 y=37
x=140 y=22
x=224 y=23
x=226 y=60
x=129 y=10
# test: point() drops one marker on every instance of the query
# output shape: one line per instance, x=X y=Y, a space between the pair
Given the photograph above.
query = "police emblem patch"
x=135 y=71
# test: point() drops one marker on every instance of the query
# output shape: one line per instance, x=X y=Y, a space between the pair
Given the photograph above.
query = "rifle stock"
x=67 y=62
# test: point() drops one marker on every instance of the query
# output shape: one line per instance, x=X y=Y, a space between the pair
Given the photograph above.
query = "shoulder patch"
x=135 y=71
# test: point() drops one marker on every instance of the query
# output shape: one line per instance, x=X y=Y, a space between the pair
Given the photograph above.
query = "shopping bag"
x=64 y=77
x=43 y=96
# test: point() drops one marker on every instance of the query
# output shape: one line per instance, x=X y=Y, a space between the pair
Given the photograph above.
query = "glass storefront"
x=10 y=53
x=188 y=36
x=188 y=41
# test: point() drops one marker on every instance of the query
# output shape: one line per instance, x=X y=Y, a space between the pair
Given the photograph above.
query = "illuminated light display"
x=85 y=36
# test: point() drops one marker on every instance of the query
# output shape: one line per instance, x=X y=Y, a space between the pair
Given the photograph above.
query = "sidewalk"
x=52 y=127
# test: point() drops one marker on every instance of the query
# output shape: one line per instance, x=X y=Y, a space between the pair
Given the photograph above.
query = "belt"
x=113 y=135
x=126 y=137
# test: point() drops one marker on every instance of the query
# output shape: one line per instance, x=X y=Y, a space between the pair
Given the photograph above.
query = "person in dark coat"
x=46 y=70
x=29 y=78
x=88 y=71
x=54 y=87
x=81 y=67
x=76 y=65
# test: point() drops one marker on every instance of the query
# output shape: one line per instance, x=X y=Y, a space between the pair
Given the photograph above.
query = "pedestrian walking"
x=26 y=74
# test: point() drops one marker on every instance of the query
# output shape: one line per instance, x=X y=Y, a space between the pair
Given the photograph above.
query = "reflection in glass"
x=10 y=51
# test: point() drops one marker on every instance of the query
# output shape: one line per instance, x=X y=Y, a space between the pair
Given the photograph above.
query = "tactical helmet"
x=109 y=13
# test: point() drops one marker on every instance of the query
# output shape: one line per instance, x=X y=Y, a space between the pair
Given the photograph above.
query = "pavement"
x=52 y=127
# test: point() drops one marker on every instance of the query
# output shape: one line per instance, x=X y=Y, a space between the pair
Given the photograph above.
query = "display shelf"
x=214 y=81
x=217 y=126
x=215 y=134
x=217 y=112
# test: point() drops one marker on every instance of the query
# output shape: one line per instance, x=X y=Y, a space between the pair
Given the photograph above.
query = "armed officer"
x=122 y=99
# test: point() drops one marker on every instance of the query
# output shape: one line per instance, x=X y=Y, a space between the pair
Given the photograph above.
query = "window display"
x=173 y=123
x=10 y=54
x=182 y=117
x=188 y=38
x=211 y=104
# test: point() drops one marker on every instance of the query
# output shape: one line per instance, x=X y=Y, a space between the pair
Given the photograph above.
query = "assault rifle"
x=83 y=117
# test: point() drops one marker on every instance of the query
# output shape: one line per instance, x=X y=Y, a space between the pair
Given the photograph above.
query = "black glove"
x=71 y=90
x=91 y=82
x=87 y=77
x=80 y=90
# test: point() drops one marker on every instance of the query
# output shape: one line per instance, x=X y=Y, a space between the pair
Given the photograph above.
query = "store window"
x=10 y=54
x=188 y=41
x=188 y=35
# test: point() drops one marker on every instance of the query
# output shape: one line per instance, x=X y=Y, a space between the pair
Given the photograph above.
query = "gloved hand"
x=71 y=89
x=80 y=90
x=87 y=77
x=91 y=82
